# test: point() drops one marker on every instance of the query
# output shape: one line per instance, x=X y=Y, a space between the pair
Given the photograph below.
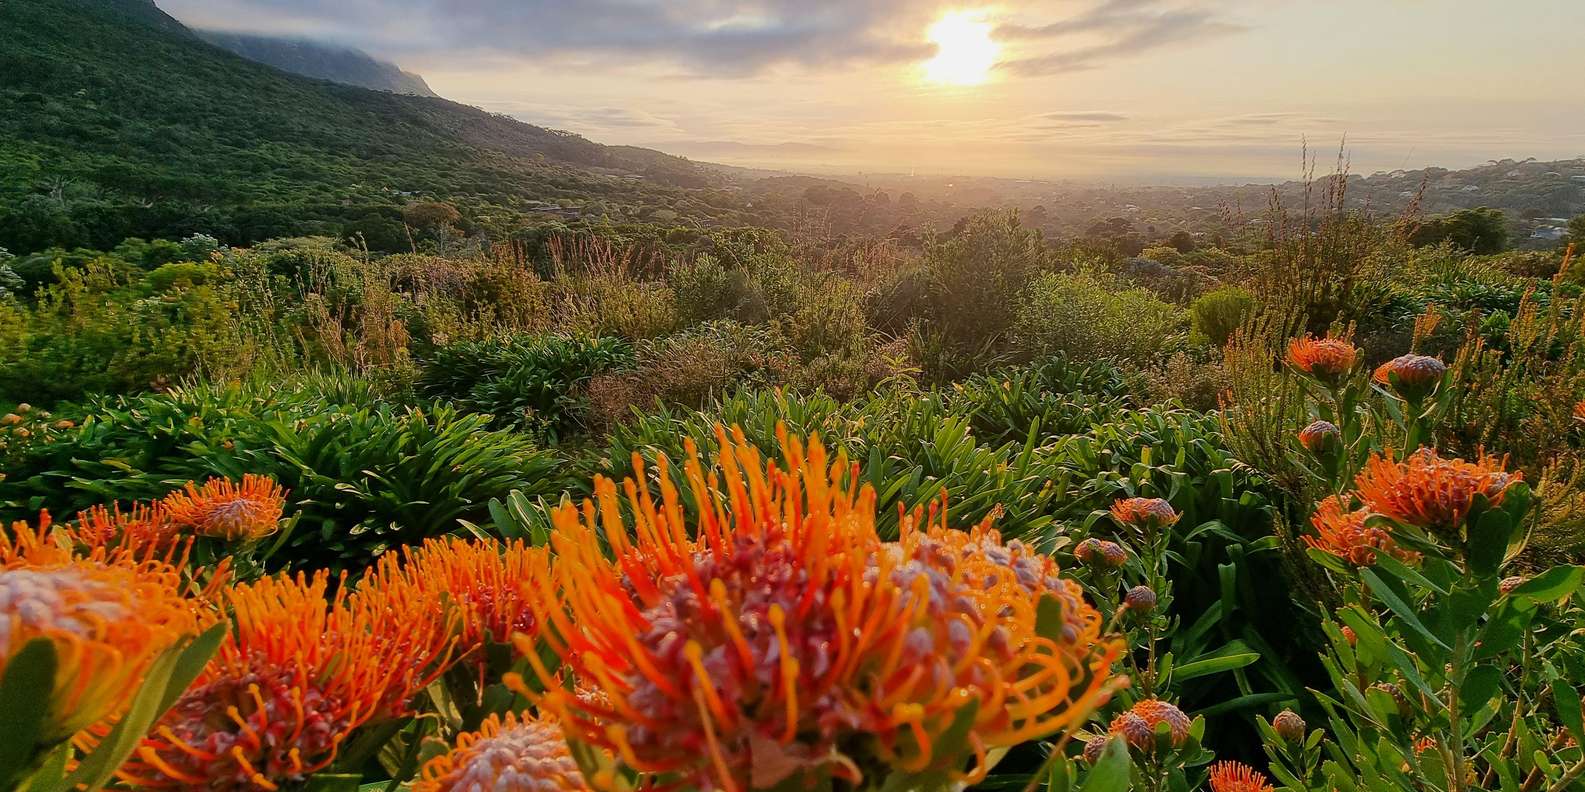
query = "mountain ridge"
x=320 y=60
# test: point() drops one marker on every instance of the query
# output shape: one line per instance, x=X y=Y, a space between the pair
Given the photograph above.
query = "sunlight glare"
x=965 y=53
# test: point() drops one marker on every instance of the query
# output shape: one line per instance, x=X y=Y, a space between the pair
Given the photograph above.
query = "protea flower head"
x=1289 y=726
x=489 y=583
x=1238 y=777
x=1147 y=515
x=1138 y=724
x=1094 y=747
x=1430 y=492
x=1327 y=359
x=508 y=754
x=299 y=672
x=1101 y=553
x=1321 y=438
x=1508 y=584
x=777 y=637
x=1344 y=532
x=143 y=528
x=222 y=509
x=109 y=615
x=1411 y=376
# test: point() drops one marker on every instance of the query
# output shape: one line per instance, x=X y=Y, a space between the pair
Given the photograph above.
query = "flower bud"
x=1140 y=599
x=1289 y=726
x=1093 y=748
x=1508 y=584
x=1412 y=377
x=10 y=419
x=1144 y=514
x=1321 y=438
x=1101 y=554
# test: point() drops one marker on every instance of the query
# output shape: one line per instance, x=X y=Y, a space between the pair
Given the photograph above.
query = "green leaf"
x=1399 y=608
x=1567 y=701
x=1111 y=771
x=166 y=680
x=1481 y=684
x=1551 y=585
x=1488 y=542
x=332 y=782
x=1048 y=618
x=25 y=693
x=1213 y=665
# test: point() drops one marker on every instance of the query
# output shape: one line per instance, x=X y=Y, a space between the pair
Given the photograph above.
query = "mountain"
x=115 y=121
x=320 y=60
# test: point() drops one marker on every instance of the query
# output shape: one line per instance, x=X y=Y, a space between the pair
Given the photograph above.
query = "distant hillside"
x=321 y=61
x=115 y=120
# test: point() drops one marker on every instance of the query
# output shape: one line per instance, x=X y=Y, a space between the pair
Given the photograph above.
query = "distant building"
x=1471 y=188
x=1548 y=233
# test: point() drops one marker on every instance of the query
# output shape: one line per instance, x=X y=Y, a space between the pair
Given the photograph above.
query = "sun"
x=965 y=53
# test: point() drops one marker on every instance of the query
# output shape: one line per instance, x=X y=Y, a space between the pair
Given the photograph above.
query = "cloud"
x=1112 y=29
x=714 y=37
x=1097 y=116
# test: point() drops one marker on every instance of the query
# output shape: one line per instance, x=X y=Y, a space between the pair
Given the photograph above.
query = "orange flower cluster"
x=1144 y=514
x=488 y=583
x=109 y=615
x=1238 y=777
x=1138 y=724
x=779 y=638
x=1327 y=359
x=1430 y=492
x=300 y=670
x=221 y=509
x=510 y=755
x=1344 y=533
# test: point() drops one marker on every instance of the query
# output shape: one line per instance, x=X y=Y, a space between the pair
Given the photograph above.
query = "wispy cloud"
x=1112 y=29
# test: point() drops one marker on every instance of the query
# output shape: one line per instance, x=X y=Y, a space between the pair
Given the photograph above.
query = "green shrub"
x=534 y=382
x=1217 y=313
x=1088 y=315
x=364 y=475
x=707 y=289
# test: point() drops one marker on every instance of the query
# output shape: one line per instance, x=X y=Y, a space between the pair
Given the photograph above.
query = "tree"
x=1576 y=230
x=1481 y=231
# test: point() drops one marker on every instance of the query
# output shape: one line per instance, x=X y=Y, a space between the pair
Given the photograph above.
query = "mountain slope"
x=115 y=120
x=320 y=61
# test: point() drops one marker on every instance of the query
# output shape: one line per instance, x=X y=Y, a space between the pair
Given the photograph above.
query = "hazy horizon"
x=1126 y=91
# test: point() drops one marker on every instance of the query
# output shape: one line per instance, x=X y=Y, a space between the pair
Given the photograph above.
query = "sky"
x=1110 y=91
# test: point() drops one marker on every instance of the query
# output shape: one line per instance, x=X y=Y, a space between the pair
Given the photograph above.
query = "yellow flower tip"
x=223 y=509
x=508 y=754
x=1229 y=776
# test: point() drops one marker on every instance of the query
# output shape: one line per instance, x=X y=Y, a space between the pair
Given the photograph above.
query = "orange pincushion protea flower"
x=108 y=615
x=144 y=528
x=1431 y=492
x=784 y=632
x=1345 y=534
x=1238 y=777
x=222 y=509
x=1327 y=359
x=298 y=673
x=489 y=583
x=1138 y=724
x=1145 y=514
x=505 y=755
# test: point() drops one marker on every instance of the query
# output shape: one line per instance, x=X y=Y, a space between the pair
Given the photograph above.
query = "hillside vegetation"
x=116 y=121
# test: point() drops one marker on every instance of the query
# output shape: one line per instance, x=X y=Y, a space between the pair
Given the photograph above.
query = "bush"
x=1217 y=313
x=363 y=478
x=1087 y=315
x=533 y=382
